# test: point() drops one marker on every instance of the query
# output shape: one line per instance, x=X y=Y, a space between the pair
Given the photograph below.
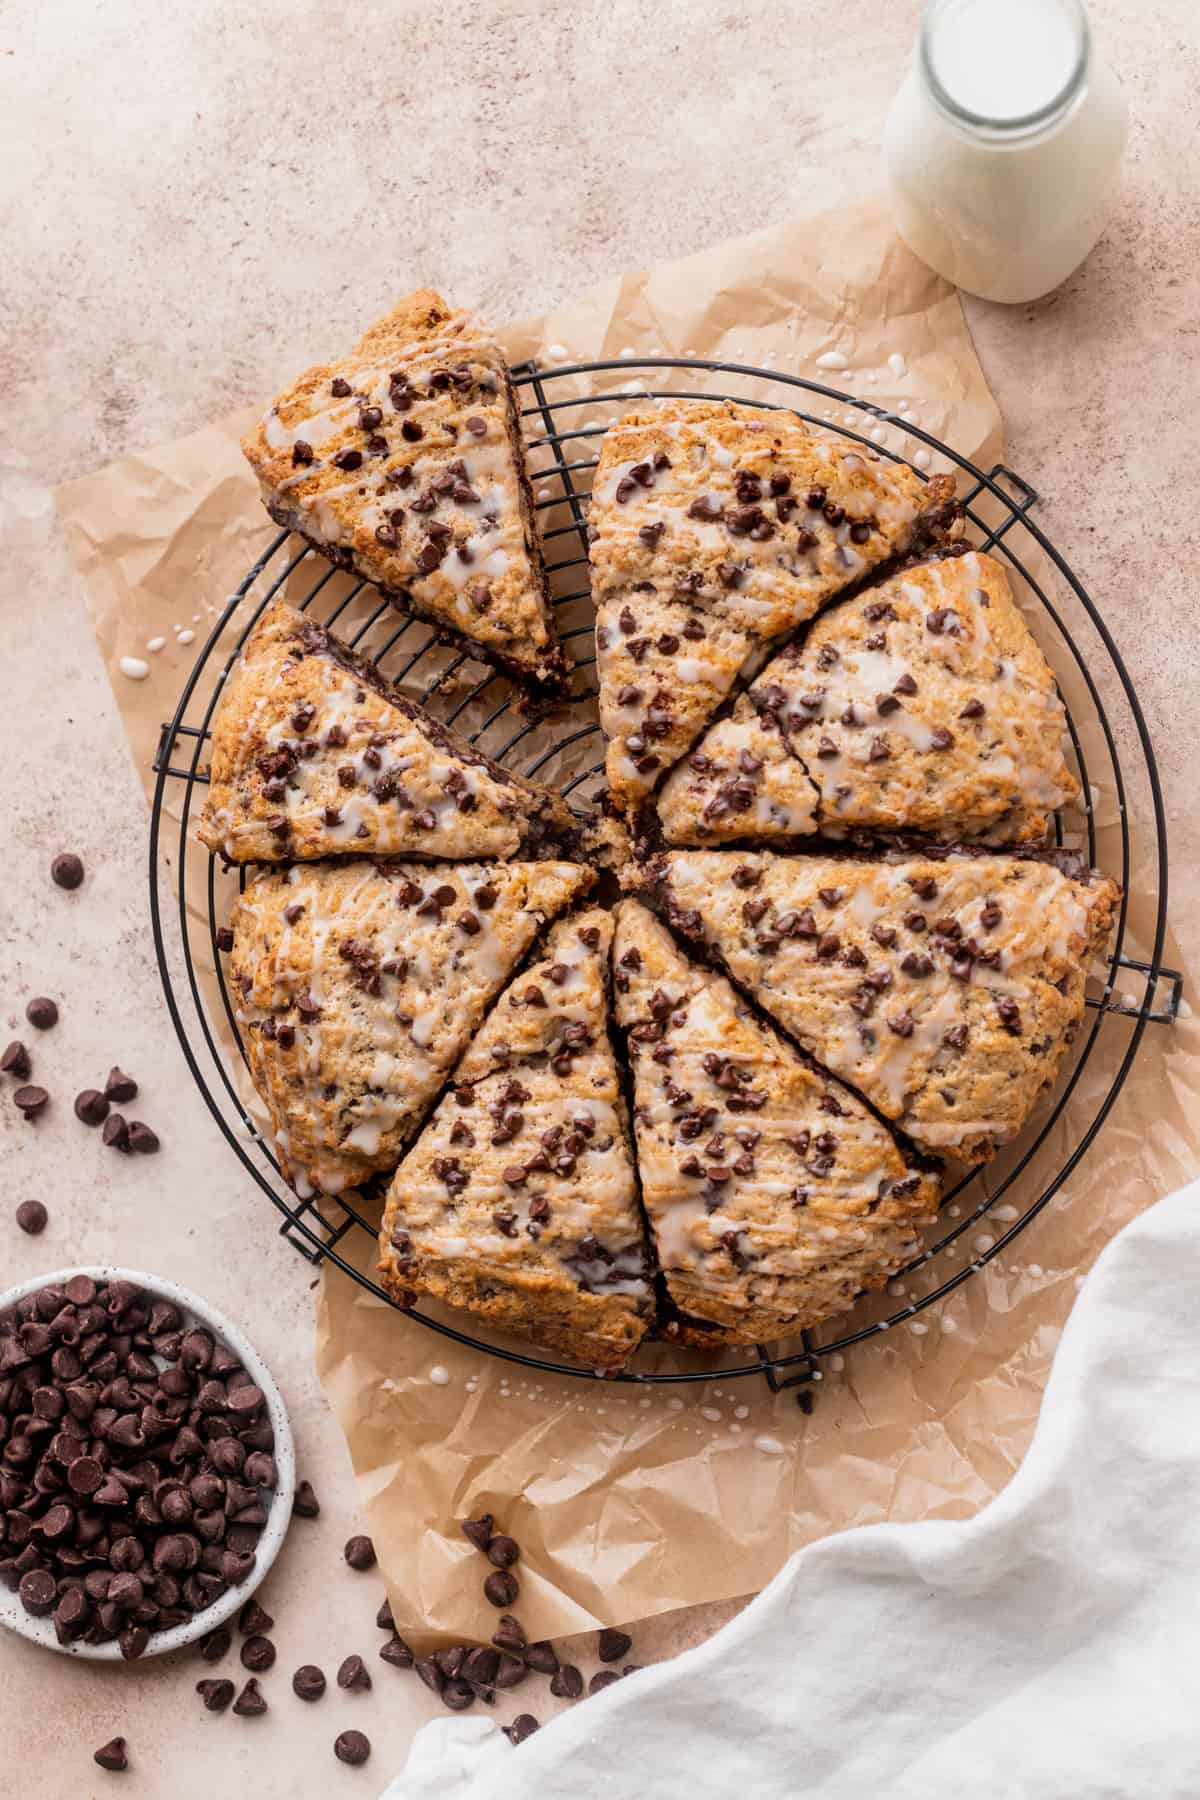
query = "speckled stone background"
x=199 y=198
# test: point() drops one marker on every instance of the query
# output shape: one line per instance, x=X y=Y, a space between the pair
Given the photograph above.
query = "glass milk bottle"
x=1003 y=144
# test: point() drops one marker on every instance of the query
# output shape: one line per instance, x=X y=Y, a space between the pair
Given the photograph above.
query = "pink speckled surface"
x=199 y=195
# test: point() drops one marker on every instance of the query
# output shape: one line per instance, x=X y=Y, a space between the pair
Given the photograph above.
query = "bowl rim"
x=279 y=1515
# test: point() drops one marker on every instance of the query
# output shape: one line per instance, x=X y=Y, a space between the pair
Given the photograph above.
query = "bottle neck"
x=1004 y=71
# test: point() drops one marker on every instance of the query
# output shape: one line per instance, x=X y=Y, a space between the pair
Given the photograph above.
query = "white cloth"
x=1048 y=1649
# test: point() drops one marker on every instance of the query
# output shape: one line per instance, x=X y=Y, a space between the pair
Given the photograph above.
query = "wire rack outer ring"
x=311 y=1231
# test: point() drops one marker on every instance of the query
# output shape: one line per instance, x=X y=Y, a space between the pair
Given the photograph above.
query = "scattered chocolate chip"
x=121 y=1088
x=250 y=1703
x=613 y=1645
x=16 y=1061
x=91 y=1108
x=141 y=1138
x=353 y=1673
x=32 y=1217
x=339 y=386
x=503 y=1551
x=308 y=1683
x=397 y=1652
x=601 y=1679
x=522 y=1727
x=360 y=1553
x=501 y=1587
x=113 y=1756
x=42 y=1012
x=302 y=452
x=542 y=1657
x=252 y=1620
x=66 y=871
x=258 y=1654
x=479 y=1531
x=567 y=1682
x=216 y=1695
x=304 y=1502
x=215 y=1645
x=115 y=1132
x=352 y=1747
x=509 y=1634
x=30 y=1101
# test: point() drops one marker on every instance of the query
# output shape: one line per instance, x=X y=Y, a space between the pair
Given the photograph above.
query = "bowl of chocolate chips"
x=146 y=1464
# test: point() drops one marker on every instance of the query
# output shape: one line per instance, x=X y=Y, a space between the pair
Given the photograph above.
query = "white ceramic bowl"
x=279 y=1514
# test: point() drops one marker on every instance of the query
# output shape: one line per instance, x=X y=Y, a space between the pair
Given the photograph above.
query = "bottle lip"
x=1027 y=124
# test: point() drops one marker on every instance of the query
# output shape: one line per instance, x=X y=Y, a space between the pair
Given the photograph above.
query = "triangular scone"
x=357 y=986
x=922 y=704
x=715 y=528
x=314 y=755
x=518 y=1202
x=773 y=1195
x=945 y=989
x=404 y=462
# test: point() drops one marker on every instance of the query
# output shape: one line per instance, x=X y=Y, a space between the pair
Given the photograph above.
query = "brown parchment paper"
x=629 y=1501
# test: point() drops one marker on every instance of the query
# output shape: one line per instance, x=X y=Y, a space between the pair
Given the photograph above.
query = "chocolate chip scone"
x=774 y=1196
x=518 y=1202
x=945 y=989
x=715 y=529
x=313 y=754
x=404 y=462
x=922 y=704
x=358 y=985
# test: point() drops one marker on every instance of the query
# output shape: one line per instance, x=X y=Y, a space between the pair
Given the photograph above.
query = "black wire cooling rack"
x=566 y=410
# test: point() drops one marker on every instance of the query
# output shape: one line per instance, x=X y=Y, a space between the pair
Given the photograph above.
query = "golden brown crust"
x=773 y=1195
x=357 y=986
x=705 y=551
x=404 y=461
x=518 y=1202
x=314 y=755
x=944 y=989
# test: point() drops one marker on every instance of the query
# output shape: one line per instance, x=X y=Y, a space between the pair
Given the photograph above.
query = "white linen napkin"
x=1048 y=1649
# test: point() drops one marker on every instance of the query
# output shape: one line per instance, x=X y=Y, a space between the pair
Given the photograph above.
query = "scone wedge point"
x=921 y=704
x=518 y=1201
x=313 y=754
x=774 y=1196
x=403 y=461
x=945 y=989
x=716 y=529
x=358 y=985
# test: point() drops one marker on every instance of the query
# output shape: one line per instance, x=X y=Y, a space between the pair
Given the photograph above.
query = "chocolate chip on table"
x=304 y=1502
x=354 y=1674
x=258 y=1653
x=383 y=1618
x=113 y=1756
x=542 y=1657
x=91 y=1108
x=308 y=1683
x=30 y=1101
x=66 y=871
x=252 y=1620
x=522 y=1727
x=360 y=1553
x=501 y=1587
x=214 y=1646
x=119 y=1087
x=115 y=1132
x=503 y=1551
x=567 y=1682
x=613 y=1645
x=42 y=1012
x=32 y=1217
x=352 y=1747
x=216 y=1695
x=479 y=1531
x=601 y=1679
x=16 y=1061
x=397 y=1652
x=250 y=1703
x=141 y=1138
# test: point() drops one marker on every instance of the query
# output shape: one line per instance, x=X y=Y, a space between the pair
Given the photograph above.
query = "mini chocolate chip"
x=613 y=1645
x=353 y=1747
x=308 y=1683
x=32 y=1217
x=66 y=871
x=339 y=386
x=348 y=459
x=91 y=1108
x=360 y=1553
x=250 y=1703
x=113 y=1756
x=42 y=1012
x=216 y=1695
x=302 y=452
x=501 y=1587
x=354 y=1673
